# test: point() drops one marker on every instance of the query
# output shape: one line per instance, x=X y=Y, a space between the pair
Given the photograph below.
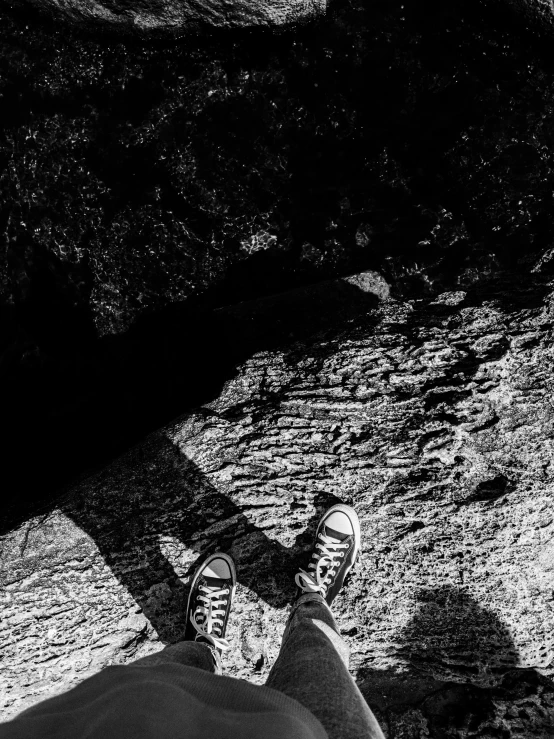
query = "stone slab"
x=434 y=419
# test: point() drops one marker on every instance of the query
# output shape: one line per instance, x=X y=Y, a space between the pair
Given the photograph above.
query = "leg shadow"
x=154 y=505
x=89 y=407
x=462 y=677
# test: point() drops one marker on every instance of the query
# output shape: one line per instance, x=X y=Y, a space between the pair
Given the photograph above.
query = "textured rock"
x=171 y=16
x=433 y=417
x=416 y=145
x=135 y=177
x=538 y=12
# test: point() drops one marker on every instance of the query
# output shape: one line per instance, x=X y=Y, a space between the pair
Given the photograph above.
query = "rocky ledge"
x=139 y=177
x=145 y=17
x=433 y=417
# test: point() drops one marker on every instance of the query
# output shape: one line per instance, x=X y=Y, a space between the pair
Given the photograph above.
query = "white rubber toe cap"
x=340 y=522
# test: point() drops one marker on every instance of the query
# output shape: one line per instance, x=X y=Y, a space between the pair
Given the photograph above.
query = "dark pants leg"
x=189 y=653
x=312 y=667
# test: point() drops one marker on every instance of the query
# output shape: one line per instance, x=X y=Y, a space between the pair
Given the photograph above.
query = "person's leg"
x=189 y=653
x=209 y=604
x=312 y=666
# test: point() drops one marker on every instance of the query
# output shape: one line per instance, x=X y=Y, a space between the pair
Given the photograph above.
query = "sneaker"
x=337 y=543
x=209 y=603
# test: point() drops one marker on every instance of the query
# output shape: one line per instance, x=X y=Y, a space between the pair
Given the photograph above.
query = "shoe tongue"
x=215 y=582
x=335 y=534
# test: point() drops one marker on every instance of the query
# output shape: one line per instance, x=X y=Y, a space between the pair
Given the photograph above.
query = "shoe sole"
x=200 y=570
x=354 y=520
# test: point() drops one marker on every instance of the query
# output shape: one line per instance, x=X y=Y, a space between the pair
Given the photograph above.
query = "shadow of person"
x=89 y=409
x=455 y=638
x=152 y=506
x=461 y=674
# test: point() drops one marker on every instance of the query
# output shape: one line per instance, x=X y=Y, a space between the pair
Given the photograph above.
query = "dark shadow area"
x=462 y=677
x=71 y=409
x=171 y=497
x=92 y=404
x=453 y=638
x=380 y=138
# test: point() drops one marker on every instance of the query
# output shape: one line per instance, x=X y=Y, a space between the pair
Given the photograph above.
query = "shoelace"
x=328 y=557
x=208 y=618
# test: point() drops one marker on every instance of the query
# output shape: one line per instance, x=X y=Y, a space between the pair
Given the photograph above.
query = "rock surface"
x=433 y=417
x=538 y=12
x=142 y=188
x=139 y=176
x=171 y=16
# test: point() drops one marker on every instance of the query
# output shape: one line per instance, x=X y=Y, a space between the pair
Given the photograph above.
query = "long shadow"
x=461 y=666
x=148 y=499
x=154 y=491
x=185 y=356
x=169 y=496
x=71 y=408
x=94 y=402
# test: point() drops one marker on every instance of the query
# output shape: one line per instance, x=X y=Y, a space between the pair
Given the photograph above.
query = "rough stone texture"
x=138 y=175
x=142 y=186
x=172 y=16
x=433 y=417
x=414 y=141
x=540 y=13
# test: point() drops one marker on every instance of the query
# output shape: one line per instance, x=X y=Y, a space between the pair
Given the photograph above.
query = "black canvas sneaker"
x=210 y=598
x=337 y=543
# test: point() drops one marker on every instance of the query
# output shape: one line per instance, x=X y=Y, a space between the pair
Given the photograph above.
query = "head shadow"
x=454 y=638
x=461 y=669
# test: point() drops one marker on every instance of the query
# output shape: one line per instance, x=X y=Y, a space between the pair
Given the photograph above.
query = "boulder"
x=146 y=17
x=432 y=417
x=139 y=177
